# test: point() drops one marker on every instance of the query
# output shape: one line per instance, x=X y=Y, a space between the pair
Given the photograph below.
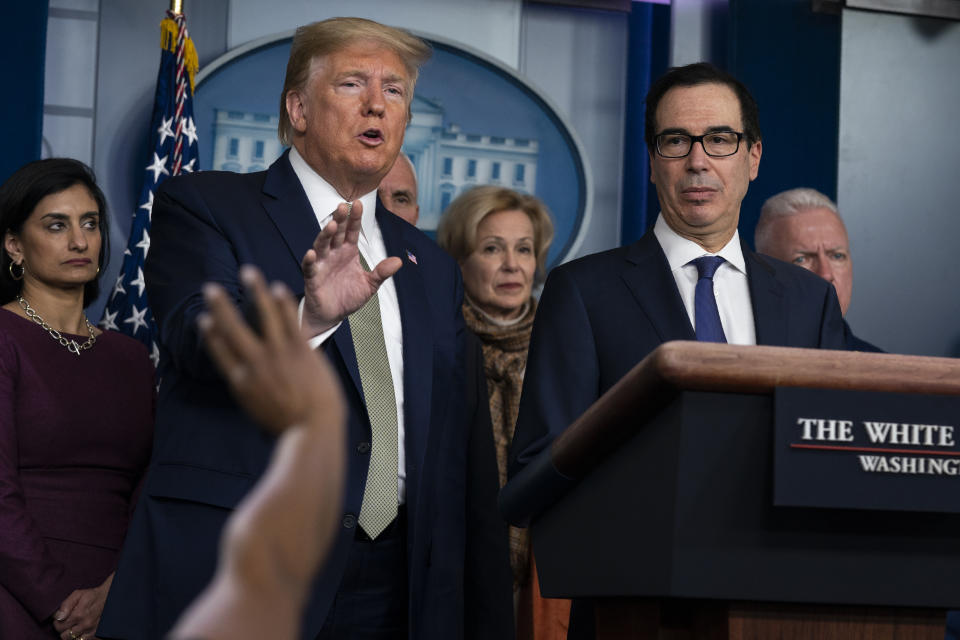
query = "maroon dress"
x=75 y=438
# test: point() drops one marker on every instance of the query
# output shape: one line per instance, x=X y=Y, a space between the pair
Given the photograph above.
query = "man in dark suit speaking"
x=688 y=278
x=383 y=302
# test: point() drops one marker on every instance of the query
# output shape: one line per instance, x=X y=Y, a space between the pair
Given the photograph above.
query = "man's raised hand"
x=334 y=282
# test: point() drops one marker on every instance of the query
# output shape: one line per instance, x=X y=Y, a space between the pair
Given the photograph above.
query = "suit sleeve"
x=488 y=580
x=187 y=249
x=563 y=373
x=27 y=570
x=831 y=328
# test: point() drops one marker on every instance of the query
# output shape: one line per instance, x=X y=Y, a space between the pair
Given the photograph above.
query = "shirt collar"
x=680 y=250
x=324 y=199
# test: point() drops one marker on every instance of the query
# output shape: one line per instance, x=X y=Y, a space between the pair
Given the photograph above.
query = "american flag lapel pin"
x=412 y=258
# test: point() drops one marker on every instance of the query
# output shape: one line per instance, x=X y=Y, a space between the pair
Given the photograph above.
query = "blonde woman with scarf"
x=500 y=239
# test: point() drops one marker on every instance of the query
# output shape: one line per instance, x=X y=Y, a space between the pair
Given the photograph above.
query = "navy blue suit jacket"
x=208 y=454
x=856 y=344
x=602 y=314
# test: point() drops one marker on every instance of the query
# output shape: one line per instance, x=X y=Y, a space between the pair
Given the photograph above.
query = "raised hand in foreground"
x=280 y=533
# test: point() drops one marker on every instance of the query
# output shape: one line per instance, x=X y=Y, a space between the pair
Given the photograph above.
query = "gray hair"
x=788 y=203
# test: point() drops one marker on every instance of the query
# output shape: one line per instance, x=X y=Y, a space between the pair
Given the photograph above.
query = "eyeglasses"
x=718 y=144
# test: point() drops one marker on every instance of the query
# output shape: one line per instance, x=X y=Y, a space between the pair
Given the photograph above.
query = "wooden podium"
x=657 y=506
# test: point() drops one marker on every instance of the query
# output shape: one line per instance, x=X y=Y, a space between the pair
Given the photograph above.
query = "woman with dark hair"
x=76 y=408
x=500 y=238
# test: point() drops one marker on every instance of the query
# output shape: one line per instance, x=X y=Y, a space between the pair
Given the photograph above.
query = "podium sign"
x=866 y=450
x=664 y=502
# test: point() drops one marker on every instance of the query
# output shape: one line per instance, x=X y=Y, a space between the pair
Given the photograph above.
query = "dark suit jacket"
x=853 y=343
x=602 y=314
x=488 y=592
x=208 y=454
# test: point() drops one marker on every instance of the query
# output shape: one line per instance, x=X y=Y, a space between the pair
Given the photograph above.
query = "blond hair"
x=319 y=39
x=457 y=231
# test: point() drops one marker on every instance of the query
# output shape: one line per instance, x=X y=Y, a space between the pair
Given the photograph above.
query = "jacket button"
x=349 y=521
x=363 y=447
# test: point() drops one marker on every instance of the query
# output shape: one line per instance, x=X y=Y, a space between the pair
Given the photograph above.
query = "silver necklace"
x=71 y=345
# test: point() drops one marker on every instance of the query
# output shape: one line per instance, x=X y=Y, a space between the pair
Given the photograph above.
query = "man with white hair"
x=803 y=226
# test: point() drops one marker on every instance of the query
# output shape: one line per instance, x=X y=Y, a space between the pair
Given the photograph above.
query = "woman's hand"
x=78 y=615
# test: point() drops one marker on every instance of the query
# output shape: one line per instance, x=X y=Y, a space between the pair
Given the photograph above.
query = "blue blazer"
x=208 y=454
x=602 y=314
x=857 y=344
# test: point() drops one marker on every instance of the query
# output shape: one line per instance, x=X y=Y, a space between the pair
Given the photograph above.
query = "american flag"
x=173 y=144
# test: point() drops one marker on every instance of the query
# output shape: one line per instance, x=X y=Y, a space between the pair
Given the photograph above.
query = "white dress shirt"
x=324 y=200
x=730 y=285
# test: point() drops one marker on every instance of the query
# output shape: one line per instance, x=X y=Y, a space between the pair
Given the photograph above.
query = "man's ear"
x=650 y=164
x=296 y=110
x=755 y=152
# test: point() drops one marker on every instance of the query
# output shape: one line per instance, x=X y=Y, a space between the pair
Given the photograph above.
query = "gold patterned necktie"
x=379 y=506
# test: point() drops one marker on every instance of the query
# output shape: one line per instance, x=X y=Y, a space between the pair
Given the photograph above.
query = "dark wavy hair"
x=693 y=75
x=21 y=194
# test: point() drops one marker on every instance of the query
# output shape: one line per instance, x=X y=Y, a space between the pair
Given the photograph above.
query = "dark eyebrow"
x=63 y=216
x=721 y=129
x=717 y=129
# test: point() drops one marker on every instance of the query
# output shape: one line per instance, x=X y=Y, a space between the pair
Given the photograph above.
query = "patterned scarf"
x=505 y=360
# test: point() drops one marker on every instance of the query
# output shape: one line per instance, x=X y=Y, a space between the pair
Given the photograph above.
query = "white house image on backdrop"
x=447 y=160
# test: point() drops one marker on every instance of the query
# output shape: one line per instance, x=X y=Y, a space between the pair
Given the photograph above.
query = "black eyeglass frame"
x=696 y=139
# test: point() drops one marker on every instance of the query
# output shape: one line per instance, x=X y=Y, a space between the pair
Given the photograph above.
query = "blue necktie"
x=705 y=314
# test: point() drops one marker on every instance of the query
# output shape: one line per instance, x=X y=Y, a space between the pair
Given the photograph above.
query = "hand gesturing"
x=274 y=375
x=334 y=283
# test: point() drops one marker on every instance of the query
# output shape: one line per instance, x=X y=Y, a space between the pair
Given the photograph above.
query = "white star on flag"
x=144 y=244
x=118 y=287
x=109 y=320
x=137 y=318
x=159 y=166
x=190 y=130
x=166 y=129
x=139 y=283
x=173 y=141
x=148 y=205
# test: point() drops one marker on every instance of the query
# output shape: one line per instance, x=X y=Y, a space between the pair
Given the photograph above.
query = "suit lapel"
x=286 y=203
x=766 y=296
x=400 y=240
x=649 y=279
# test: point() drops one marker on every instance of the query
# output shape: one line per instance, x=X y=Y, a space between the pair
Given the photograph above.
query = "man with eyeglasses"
x=688 y=278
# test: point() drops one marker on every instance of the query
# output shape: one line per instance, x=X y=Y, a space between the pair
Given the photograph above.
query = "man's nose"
x=697 y=158
x=374 y=103
x=823 y=268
